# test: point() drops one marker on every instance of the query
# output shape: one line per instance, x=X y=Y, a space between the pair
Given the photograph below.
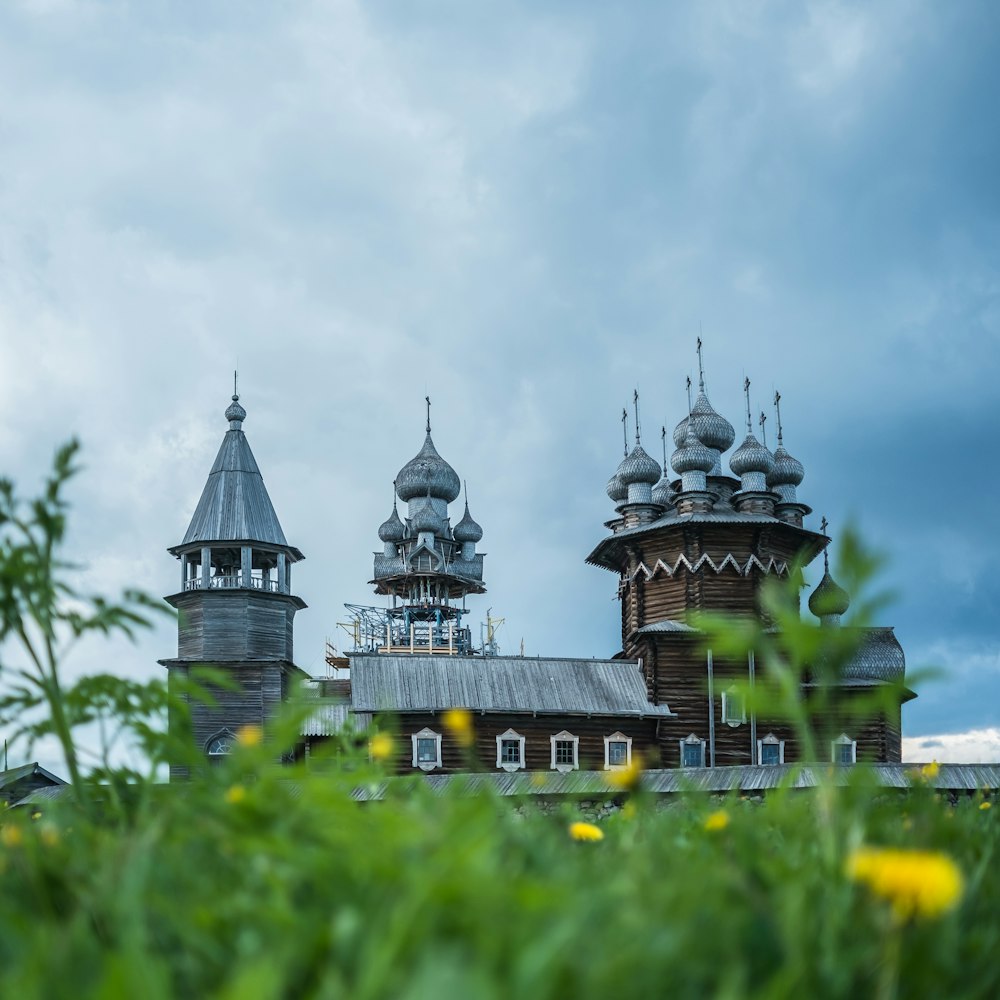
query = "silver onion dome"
x=392 y=528
x=692 y=455
x=787 y=471
x=428 y=472
x=638 y=467
x=829 y=598
x=617 y=490
x=235 y=413
x=711 y=428
x=680 y=433
x=663 y=494
x=467 y=530
x=426 y=518
x=751 y=456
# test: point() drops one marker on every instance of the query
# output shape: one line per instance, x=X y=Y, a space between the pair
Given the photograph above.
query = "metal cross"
x=777 y=410
x=427 y=399
x=625 y=428
x=763 y=429
x=746 y=392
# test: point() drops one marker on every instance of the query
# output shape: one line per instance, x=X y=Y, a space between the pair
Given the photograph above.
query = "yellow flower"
x=915 y=883
x=250 y=736
x=930 y=770
x=458 y=722
x=539 y=779
x=235 y=794
x=11 y=836
x=381 y=746
x=718 y=820
x=626 y=778
x=585 y=831
x=984 y=805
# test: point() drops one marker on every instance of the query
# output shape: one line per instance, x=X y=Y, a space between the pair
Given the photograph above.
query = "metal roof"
x=667 y=625
x=16 y=774
x=331 y=717
x=737 y=778
x=413 y=683
x=234 y=506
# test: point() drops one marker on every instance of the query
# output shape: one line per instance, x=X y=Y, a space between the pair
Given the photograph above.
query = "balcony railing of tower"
x=233 y=581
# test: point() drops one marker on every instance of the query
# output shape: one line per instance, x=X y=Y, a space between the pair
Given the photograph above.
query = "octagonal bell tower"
x=235 y=603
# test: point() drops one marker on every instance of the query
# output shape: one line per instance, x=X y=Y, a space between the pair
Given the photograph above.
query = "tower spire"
x=663 y=436
x=763 y=428
x=823 y=525
x=427 y=399
x=689 y=393
x=701 y=369
x=236 y=391
x=746 y=393
x=635 y=403
x=777 y=411
x=625 y=428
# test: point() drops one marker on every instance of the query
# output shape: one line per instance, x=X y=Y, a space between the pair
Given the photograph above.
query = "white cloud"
x=977 y=746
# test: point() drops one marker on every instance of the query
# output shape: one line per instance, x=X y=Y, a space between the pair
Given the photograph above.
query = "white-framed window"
x=510 y=751
x=844 y=750
x=692 y=752
x=734 y=708
x=770 y=750
x=220 y=745
x=565 y=751
x=617 y=751
x=426 y=749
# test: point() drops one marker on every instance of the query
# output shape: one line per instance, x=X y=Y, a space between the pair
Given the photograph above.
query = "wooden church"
x=702 y=540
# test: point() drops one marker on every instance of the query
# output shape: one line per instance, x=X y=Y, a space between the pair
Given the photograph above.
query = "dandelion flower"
x=931 y=770
x=984 y=805
x=11 y=836
x=250 y=736
x=718 y=820
x=585 y=831
x=626 y=778
x=458 y=722
x=915 y=883
x=381 y=746
x=235 y=794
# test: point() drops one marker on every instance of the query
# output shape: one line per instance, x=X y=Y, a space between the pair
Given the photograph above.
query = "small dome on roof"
x=680 y=433
x=711 y=428
x=467 y=530
x=426 y=518
x=663 y=494
x=392 y=529
x=751 y=456
x=692 y=455
x=234 y=412
x=617 y=490
x=638 y=467
x=787 y=471
x=829 y=598
x=427 y=472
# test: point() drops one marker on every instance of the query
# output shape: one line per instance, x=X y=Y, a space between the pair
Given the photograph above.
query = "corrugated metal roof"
x=15 y=774
x=740 y=778
x=235 y=506
x=414 y=683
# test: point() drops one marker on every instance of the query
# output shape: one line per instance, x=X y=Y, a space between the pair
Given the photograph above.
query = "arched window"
x=220 y=745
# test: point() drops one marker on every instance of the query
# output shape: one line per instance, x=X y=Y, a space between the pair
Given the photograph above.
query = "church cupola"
x=711 y=428
x=235 y=602
x=785 y=477
x=638 y=472
x=426 y=568
x=692 y=461
x=752 y=462
x=829 y=600
x=663 y=493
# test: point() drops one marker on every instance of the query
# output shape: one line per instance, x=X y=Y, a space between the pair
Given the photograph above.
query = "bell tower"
x=235 y=603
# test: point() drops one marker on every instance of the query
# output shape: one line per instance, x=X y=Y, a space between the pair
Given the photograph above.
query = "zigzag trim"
x=773 y=565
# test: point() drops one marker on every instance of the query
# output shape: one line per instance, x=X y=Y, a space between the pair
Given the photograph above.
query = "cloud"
x=975 y=746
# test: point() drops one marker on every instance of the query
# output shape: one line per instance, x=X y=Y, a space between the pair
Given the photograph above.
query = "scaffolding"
x=428 y=629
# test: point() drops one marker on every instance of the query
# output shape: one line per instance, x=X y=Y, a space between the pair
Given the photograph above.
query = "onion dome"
x=428 y=473
x=392 y=529
x=638 y=467
x=787 y=471
x=751 y=456
x=235 y=414
x=711 y=428
x=617 y=490
x=426 y=518
x=663 y=494
x=680 y=431
x=692 y=455
x=829 y=598
x=467 y=530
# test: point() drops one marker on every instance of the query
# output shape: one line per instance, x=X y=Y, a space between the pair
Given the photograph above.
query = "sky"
x=526 y=211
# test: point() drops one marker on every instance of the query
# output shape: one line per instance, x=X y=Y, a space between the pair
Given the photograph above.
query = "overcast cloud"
x=525 y=210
